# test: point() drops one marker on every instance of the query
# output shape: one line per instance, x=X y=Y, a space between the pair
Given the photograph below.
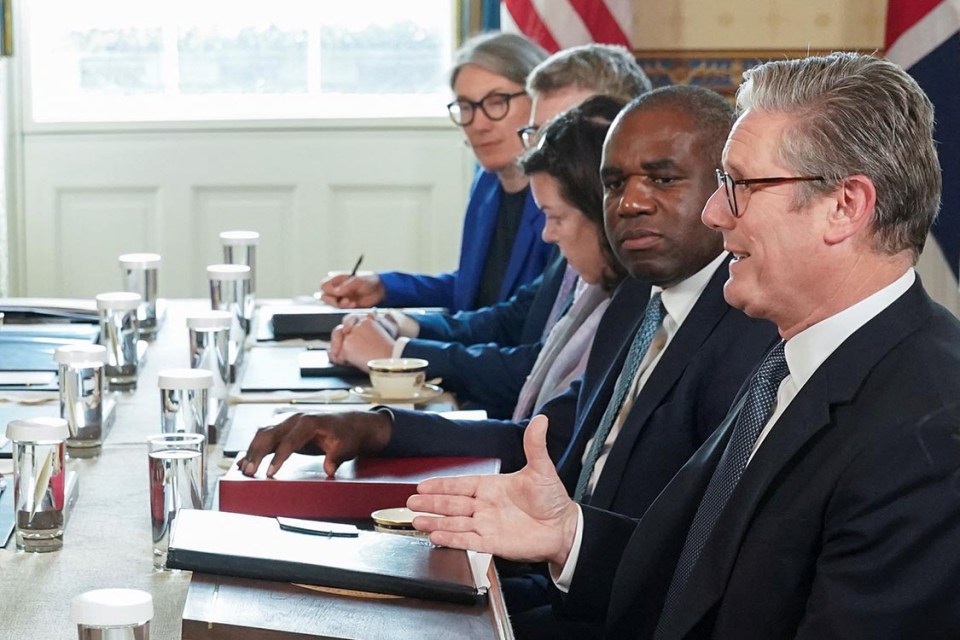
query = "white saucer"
x=427 y=392
x=396 y=516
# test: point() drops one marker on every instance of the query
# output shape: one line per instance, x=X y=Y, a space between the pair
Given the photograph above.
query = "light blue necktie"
x=652 y=319
x=757 y=408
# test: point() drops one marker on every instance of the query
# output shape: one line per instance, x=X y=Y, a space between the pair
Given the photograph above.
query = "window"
x=131 y=60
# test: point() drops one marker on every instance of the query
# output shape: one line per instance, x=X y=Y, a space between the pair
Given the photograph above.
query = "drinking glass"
x=176 y=482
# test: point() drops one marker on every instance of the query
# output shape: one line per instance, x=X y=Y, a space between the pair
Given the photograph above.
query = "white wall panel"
x=317 y=197
x=266 y=209
x=91 y=227
x=385 y=224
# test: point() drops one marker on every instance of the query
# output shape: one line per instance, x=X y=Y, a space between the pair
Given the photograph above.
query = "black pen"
x=357 y=266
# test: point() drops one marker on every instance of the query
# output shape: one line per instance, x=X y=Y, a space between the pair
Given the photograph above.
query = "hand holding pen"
x=353 y=290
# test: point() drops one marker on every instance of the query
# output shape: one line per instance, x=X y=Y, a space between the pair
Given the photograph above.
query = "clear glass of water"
x=119 y=333
x=139 y=272
x=176 y=482
x=39 y=477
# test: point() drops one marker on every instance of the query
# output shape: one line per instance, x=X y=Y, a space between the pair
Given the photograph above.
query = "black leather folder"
x=243 y=546
x=278 y=369
x=310 y=324
x=315 y=363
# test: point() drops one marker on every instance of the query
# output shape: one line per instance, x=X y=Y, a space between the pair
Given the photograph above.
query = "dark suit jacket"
x=484 y=356
x=519 y=320
x=681 y=403
x=846 y=523
x=458 y=290
x=684 y=399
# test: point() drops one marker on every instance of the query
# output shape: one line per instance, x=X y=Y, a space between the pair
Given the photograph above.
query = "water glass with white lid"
x=230 y=291
x=81 y=395
x=139 y=271
x=119 y=333
x=112 y=614
x=240 y=247
x=39 y=482
x=209 y=334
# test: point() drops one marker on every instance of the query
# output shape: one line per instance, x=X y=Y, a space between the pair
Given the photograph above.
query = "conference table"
x=107 y=543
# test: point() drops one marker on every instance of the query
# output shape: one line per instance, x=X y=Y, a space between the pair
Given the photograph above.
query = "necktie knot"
x=774 y=367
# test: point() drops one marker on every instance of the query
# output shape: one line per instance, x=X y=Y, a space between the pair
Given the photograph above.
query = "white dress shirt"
x=805 y=352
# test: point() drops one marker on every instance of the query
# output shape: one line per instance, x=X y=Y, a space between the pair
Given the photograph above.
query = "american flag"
x=558 y=24
x=923 y=37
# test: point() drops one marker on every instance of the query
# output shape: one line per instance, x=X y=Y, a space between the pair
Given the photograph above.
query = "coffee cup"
x=398 y=520
x=397 y=377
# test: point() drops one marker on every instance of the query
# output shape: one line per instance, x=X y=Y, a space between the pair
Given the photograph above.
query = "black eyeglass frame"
x=474 y=105
x=729 y=185
x=528 y=135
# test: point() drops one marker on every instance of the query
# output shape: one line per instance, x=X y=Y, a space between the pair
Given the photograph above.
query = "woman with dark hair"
x=564 y=171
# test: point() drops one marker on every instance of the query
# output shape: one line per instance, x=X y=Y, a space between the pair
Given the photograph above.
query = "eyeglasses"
x=495 y=106
x=528 y=135
x=729 y=185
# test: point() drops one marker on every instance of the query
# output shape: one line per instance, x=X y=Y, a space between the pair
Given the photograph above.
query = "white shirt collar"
x=679 y=299
x=807 y=350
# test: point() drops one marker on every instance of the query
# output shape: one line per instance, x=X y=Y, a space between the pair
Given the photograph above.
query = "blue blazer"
x=485 y=356
x=845 y=523
x=458 y=290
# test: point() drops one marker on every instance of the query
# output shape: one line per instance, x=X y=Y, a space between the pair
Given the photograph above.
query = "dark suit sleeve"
x=605 y=536
x=417 y=433
x=502 y=323
x=484 y=374
x=890 y=562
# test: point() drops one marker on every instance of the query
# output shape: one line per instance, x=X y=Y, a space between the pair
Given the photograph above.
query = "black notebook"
x=315 y=363
x=278 y=369
x=309 y=323
x=233 y=544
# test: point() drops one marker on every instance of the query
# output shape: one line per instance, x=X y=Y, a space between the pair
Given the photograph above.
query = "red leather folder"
x=301 y=489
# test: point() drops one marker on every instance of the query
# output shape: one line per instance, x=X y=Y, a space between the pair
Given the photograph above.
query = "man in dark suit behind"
x=825 y=504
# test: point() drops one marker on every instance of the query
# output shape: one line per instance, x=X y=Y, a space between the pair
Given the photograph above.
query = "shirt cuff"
x=398 y=347
x=407 y=327
x=566 y=575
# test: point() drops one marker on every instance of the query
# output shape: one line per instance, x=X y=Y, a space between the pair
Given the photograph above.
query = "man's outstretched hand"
x=524 y=516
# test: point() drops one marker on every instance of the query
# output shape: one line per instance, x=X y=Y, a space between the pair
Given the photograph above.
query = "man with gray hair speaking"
x=826 y=503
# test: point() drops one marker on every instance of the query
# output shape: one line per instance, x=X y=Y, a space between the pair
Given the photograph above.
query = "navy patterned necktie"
x=652 y=319
x=757 y=408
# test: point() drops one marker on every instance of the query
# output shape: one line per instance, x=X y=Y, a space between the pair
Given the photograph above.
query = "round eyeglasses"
x=495 y=106
x=729 y=185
